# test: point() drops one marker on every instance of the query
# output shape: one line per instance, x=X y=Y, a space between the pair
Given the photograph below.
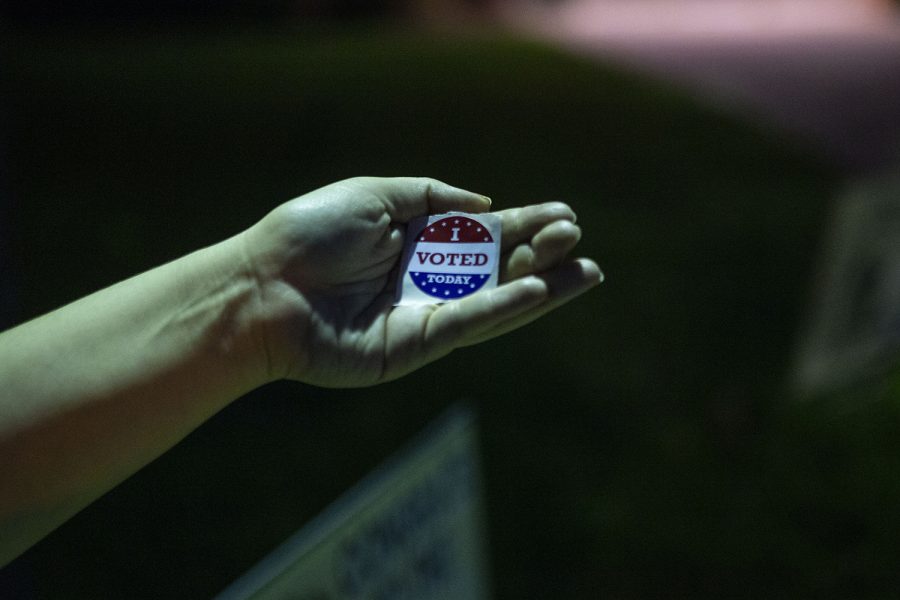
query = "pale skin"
x=95 y=390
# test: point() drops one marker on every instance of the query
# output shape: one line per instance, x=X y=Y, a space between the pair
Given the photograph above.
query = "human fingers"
x=487 y=314
x=548 y=248
x=564 y=283
x=521 y=224
x=405 y=198
x=420 y=334
x=450 y=325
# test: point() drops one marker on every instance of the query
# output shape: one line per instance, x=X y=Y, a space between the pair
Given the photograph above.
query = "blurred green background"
x=639 y=443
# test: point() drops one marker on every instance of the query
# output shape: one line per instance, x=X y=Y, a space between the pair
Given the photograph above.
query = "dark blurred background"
x=642 y=442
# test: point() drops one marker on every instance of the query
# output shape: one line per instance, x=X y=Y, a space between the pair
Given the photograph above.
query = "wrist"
x=235 y=330
x=275 y=315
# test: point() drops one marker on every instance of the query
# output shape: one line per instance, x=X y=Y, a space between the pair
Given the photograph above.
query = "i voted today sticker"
x=448 y=257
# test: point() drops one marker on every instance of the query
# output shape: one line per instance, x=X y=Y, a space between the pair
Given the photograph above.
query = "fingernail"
x=592 y=266
x=485 y=198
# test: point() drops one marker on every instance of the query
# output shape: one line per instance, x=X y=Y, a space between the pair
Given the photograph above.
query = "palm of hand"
x=327 y=261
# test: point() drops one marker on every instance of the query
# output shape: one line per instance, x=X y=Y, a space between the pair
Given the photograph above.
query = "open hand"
x=326 y=264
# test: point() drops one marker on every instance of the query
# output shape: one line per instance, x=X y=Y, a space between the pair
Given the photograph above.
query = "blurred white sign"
x=854 y=330
x=411 y=530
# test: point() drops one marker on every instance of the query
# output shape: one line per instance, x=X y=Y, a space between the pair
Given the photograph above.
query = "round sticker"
x=453 y=257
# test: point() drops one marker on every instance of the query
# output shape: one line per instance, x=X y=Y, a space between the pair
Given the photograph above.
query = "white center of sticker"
x=448 y=257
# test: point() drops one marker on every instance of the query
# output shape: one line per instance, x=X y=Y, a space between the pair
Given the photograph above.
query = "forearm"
x=93 y=391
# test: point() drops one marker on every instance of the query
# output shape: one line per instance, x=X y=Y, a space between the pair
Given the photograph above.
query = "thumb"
x=405 y=198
